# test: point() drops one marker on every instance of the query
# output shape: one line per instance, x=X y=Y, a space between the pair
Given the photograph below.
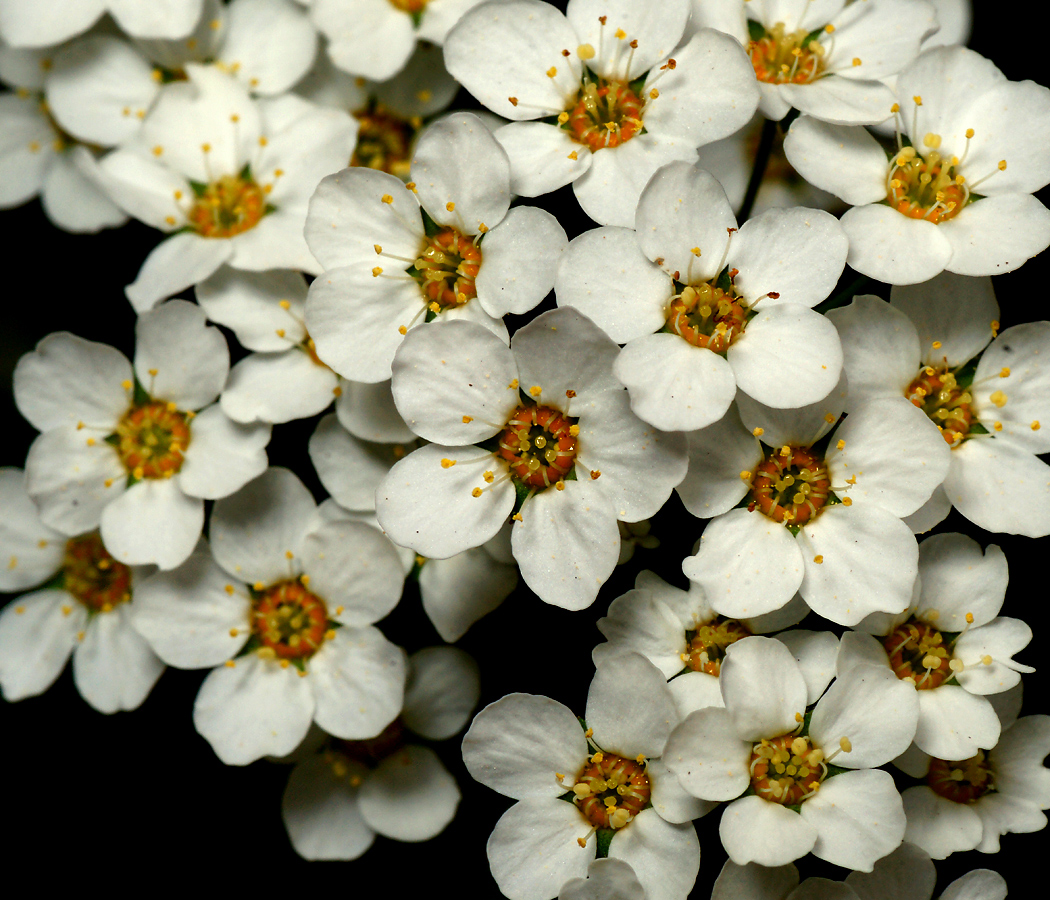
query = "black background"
x=138 y=800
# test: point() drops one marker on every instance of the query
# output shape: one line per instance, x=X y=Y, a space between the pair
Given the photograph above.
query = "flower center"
x=227 y=207
x=707 y=645
x=787 y=769
x=964 y=781
x=790 y=485
x=611 y=790
x=918 y=654
x=151 y=438
x=446 y=268
x=606 y=114
x=938 y=394
x=412 y=7
x=783 y=57
x=94 y=577
x=289 y=620
x=707 y=317
x=926 y=187
x=539 y=444
x=384 y=141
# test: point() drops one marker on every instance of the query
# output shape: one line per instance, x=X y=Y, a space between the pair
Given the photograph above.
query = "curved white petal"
x=442 y=690
x=113 y=666
x=755 y=830
x=410 y=796
x=38 y=632
x=153 y=521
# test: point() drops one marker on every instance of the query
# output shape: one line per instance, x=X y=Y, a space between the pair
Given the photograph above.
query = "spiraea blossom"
x=921 y=348
x=282 y=604
x=581 y=786
x=447 y=246
x=80 y=606
x=344 y=793
x=375 y=38
x=823 y=511
x=614 y=104
x=762 y=743
x=37 y=25
x=826 y=58
x=958 y=194
x=540 y=431
x=951 y=644
x=227 y=177
x=703 y=309
x=135 y=450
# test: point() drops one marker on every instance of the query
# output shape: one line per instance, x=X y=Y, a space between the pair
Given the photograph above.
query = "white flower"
x=36 y=25
x=683 y=293
x=80 y=607
x=227 y=176
x=525 y=60
x=284 y=610
x=542 y=427
x=679 y=633
x=338 y=799
x=920 y=348
x=761 y=740
x=135 y=451
x=448 y=245
x=38 y=158
x=827 y=58
x=959 y=590
x=375 y=38
x=534 y=750
x=283 y=379
x=847 y=559
x=959 y=196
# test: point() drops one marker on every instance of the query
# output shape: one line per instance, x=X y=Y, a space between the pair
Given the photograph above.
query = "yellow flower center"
x=605 y=114
x=791 y=487
x=965 y=781
x=446 y=268
x=384 y=141
x=707 y=317
x=783 y=57
x=787 y=769
x=610 y=790
x=94 y=577
x=412 y=7
x=539 y=445
x=707 y=645
x=151 y=439
x=227 y=207
x=938 y=394
x=289 y=621
x=918 y=653
x=925 y=187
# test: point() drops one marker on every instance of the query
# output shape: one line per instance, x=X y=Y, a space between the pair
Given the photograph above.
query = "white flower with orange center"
x=958 y=194
x=28 y=25
x=809 y=778
x=80 y=606
x=283 y=605
x=799 y=502
x=445 y=247
x=541 y=432
x=938 y=346
x=339 y=797
x=584 y=790
x=228 y=177
x=375 y=38
x=825 y=58
x=612 y=103
x=135 y=451
x=951 y=644
x=705 y=308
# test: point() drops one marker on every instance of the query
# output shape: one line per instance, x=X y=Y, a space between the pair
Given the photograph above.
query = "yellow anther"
x=1035 y=425
x=936 y=345
x=377 y=271
x=840 y=445
x=552 y=71
x=402 y=330
x=785 y=450
x=386 y=198
x=1002 y=165
x=969 y=133
x=994 y=326
x=234 y=632
x=829 y=28
x=846 y=746
x=896 y=108
x=745 y=475
x=818 y=559
x=206 y=148
x=595 y=474
x=230 y=664
x=535 y=390
x=574 y=430
x=450 y=206
x=574 y=155
x=447 y=463
x=585 y=51
x=126 y=384
x=563 y=117
x=513 y=386
x=653 y=94
x=856 y=61
x=758 y=432
x=986 y=660
x=799 y=717
x=695 y=251
x=620 y=34
x=998 y=398
x=917 y=99
x=846 y=501
x=931 y=140
x=829 y=418
x=598 y=756
x=1004 y=372
x=476 y=492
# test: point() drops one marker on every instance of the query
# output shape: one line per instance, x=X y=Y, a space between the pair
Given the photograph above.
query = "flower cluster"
x=768 y=342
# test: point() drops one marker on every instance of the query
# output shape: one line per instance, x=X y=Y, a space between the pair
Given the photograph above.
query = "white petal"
x=979 y=884
x=607 y=879
x=858 y=817
x=800 y=427
x=629 y=706
x=442 y=691
x=173 y=265
x=717 y=456
x=222 y=455
x=670 y=799
x=37 y=636
x=153 y=521
x=519 y=259
x=458 y=591
x=358 y=682
x=321 y=814
x=349 y=469
x=747 y=564
x=843 y=101
x=907 y=870
x=113 y=667
x=763 y=688
x=755 y=830
x=543 y=157
x=958 y=577
x=665 y=857
x=753 y=880
x=164 y=18
x=640 y=622
x=25 y=26
x=997 y=234
x=657 y=33
x=249 y=304
x=368 y=412
x=269 y=44
x=34 y=552
x=931 y=513
x=999 y=640
x=880 y=346
x=278 y=387
x=938 y=825
x=567 y=543
x=145 y=188
x=844 y=160
x=517 y=744
x=954 y=724
x=73 y=200
x=26 y=151
x=252 y=709
x=816 y=653
x=374 y=41
x=708 y=757
x=889 y=246
x=410 y=796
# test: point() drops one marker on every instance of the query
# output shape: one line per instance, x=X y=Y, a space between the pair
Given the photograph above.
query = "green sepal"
x=199 y=187
x=522 y=493
x=978 y=428
x=834 y=770
x=755 y=30
x=794 y=529
x=417 y=18
x=246 y=172
x=250 y=646
x=636 y=86
x=583 y=723
x=430 y=227
x=964 y=374
x=113 y=439
x=139 y=396
x=299 y=663
x=812 y=36
x=724 y=282
x=132 y=480
x=604 y=837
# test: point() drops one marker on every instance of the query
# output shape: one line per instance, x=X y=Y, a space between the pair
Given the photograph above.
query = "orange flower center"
x=925 y=187
x=786 y=769
x=707 y=645
x=606 y=114
x=611 y=790
x=539 y=445
x=384 y=141
x=938 y=394
x=707 y=317
x=963 y=782
x=151 y=438
x=791 y=487
x=447 y=266
x=227 y=207
x=782 y=57
x=94 y=577
x=918 y=653
x=412 y=7
x=289 y=620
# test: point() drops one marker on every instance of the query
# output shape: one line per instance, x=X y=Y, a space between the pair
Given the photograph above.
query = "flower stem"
x=765 y=147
